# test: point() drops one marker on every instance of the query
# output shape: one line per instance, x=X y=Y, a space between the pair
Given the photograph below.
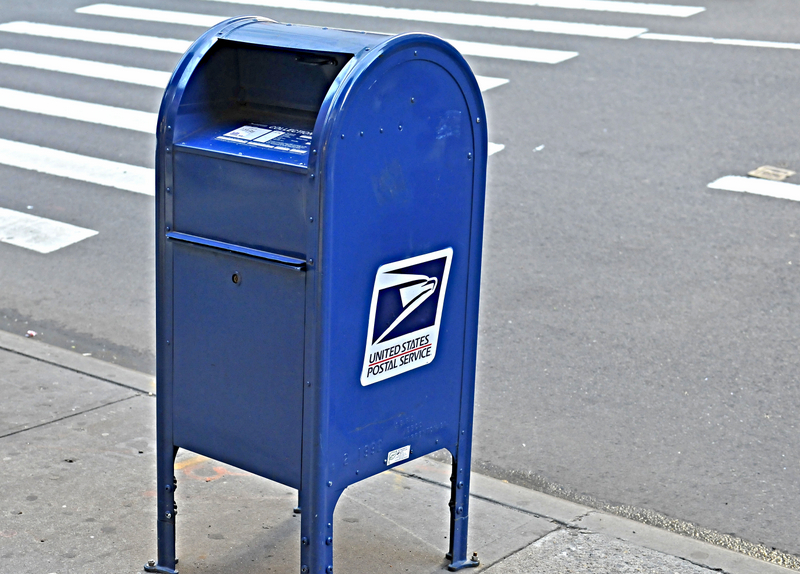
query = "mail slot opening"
x=237 y=85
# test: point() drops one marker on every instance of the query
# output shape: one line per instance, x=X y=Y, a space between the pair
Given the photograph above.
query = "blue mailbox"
x=320 y=199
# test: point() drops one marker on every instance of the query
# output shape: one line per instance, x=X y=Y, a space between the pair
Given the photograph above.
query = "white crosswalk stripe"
x=518 y=53
x=97 y=36
x=608 y=6
x=152 y=15
x=503 y=52
x=81 y=111
x=486 y=83
x=39 y=233
x=493 y=148
x=757 y=186
x=86 y=68
x=721 y=41
x=74 y=166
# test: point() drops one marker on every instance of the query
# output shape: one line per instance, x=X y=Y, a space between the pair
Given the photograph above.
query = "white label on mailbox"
x=404 y=315
x=247 y=133
x=278 y=138
x=398 y=455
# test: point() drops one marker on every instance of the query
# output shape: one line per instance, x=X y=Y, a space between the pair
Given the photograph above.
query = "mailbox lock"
x=236 y=278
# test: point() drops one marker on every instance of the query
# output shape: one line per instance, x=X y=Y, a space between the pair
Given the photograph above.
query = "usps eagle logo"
x=404 y=317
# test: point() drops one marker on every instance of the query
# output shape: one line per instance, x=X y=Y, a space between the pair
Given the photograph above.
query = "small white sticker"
x=247 y=133
x=398 y=455
x=269 y=136
x=404 y=315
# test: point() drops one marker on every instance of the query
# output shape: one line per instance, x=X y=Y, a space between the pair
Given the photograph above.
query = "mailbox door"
x=238 y=356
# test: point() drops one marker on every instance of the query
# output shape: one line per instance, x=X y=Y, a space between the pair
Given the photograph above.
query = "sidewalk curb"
x=571 y=515
x=78 y=363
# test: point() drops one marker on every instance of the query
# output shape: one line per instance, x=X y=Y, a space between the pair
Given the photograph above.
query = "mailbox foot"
x=471 y=563
x=151 y=566
x=159 y=569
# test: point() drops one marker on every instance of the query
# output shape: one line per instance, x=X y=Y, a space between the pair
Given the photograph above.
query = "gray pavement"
x=77 y=453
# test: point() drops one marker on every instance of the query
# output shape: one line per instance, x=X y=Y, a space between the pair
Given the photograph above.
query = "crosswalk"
x=140 y=180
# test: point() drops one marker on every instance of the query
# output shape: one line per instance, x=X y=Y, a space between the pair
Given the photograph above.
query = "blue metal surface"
x=394 y=171
x=239 y=203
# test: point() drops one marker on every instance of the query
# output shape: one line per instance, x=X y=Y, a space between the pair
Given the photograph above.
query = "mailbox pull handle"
x=231 y=247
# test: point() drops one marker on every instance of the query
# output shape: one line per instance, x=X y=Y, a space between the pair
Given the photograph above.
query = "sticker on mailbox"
x=279 y=138
x=404 y=315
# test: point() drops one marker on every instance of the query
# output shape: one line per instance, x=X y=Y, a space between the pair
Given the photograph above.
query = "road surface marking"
x=609 y=6
x=86 y=68
x=80 y=111
x=83 y=168
x=152 y=15
x=517 y=53
x=454 y=18
x=97 y=36
x=779 y=189
x=493 y=148
x=720 y=41
x=486 y=83
x=38 y=233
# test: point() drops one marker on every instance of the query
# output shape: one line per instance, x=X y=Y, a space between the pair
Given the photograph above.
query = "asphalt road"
x=639 y=332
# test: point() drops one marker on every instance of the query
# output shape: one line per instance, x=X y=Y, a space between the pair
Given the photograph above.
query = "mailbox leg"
x=316 y=530
x=166 y=512
x=459 y=509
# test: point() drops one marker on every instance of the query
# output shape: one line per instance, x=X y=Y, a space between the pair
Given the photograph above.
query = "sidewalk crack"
x=69 y=416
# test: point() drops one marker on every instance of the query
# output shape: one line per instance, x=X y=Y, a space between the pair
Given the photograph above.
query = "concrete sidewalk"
x=77 y=480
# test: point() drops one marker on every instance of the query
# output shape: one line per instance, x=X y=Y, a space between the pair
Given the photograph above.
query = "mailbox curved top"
x=252 y=70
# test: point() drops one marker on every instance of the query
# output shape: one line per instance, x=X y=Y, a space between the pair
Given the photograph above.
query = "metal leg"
x=316 y=530
x=459 y=510
x=166 y=512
